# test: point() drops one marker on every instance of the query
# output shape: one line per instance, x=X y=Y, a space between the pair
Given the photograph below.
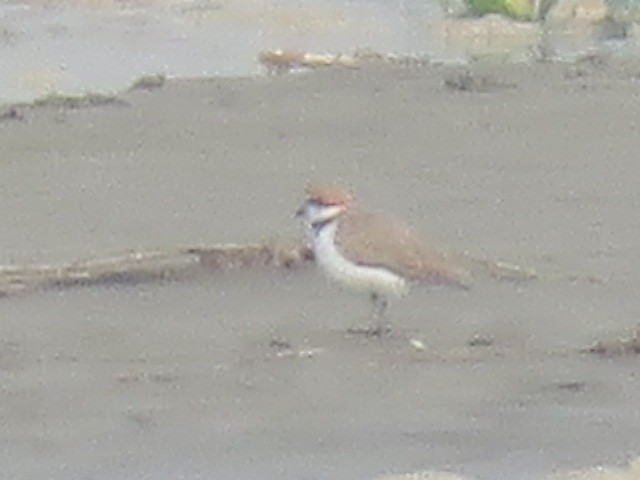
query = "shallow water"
x=76 y=46
x=103 y=45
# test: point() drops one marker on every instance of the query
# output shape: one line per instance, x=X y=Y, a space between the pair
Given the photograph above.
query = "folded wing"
x=375 y=240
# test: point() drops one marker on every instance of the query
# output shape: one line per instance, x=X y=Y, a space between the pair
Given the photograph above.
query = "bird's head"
x=323 y=204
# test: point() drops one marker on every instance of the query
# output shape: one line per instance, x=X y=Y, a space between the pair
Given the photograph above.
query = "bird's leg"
x=379 y=326
x=380 y=304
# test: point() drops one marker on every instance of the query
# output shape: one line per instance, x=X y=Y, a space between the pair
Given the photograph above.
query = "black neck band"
x=320 y=224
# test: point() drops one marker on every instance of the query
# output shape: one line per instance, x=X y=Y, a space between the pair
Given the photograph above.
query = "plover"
x=370 y=252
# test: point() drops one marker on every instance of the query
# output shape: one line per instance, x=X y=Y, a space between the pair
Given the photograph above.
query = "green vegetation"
x=518 y=9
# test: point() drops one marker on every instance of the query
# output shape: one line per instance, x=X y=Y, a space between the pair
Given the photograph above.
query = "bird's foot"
x=370 y=332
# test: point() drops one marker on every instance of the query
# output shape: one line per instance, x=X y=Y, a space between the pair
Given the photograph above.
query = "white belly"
x=358 y=277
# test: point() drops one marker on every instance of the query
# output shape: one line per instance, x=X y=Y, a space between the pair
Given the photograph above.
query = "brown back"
x=373 y=239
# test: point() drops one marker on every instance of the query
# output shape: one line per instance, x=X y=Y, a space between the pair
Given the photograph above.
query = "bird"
x=371 y=252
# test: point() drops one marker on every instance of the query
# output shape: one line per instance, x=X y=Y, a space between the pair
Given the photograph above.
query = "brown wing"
x=372 y=239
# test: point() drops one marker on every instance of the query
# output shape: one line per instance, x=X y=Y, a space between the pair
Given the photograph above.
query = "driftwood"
x=134 y=267
x=284 y=61
x=149 y=266
x=498 y=270
x=627 y=344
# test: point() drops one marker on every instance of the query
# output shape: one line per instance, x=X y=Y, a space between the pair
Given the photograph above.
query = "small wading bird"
x=371 y=253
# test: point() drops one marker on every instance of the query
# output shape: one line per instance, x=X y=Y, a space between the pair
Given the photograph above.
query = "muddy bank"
x=250 y=374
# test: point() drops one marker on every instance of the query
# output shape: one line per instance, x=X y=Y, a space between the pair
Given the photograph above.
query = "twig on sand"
x=150 y=266
x=497 y=269
x=628 y=344
x=511 y=272
x=139 y=266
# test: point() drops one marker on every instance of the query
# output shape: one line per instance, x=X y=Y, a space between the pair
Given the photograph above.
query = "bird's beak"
x=300 y=211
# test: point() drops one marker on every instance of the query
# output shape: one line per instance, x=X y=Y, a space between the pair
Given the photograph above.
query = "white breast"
x=370 y=279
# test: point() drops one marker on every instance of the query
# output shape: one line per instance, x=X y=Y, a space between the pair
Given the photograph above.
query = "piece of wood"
x=149 y=266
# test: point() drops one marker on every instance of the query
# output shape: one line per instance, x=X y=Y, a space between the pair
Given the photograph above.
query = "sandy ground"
x=533 y=164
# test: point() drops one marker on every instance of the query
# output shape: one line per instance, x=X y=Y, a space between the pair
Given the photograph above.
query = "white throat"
x=315 y=213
